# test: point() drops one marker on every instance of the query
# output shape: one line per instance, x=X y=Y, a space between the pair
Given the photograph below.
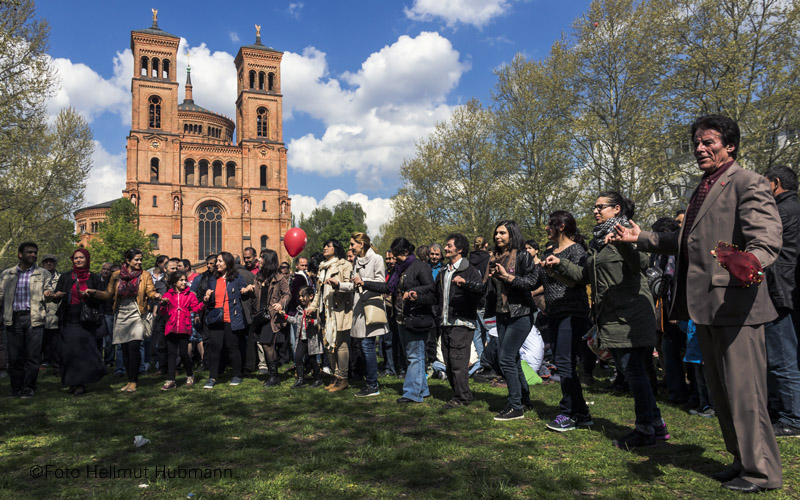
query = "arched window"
x=230 y=174
x=154 y=170
x=261 y=122
x=154 y=241
x=199 y=129
x=209 y=219
x=217 y=173
x=145 y=64
x=203 y=173
x=264 y=241
x=165 y=69
x=188 y=167
x=271 y=82
x=261 y=80
x=155 y=112
x=263 y=176
x=185 y=127
x=252 y=79
x=154 y=67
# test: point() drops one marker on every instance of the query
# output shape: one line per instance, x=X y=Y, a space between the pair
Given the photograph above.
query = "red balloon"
x=295 y=241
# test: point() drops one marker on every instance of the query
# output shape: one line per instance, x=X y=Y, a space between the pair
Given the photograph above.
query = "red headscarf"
x=80 y=275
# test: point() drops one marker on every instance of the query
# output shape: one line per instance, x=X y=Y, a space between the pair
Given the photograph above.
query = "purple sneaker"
x=662 y=434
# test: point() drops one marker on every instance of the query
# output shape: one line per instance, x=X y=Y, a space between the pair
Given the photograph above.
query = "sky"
x=363 y=80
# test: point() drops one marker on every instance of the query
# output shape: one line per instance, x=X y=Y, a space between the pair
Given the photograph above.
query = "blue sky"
x=362 y=80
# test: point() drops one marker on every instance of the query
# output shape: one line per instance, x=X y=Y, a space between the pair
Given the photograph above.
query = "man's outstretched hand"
x=624 y=234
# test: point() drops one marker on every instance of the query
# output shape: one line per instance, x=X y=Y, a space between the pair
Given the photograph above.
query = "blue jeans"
x=438 y=366
x=783 y=376
x=511 y=334
x=415 y=385
x=480 y=334
x=371 y=361
x=566 y=334
x=388 y=352
x=631 y=362
x=108 y=347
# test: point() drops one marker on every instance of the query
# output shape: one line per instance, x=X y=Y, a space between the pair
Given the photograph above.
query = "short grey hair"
x=436 y=246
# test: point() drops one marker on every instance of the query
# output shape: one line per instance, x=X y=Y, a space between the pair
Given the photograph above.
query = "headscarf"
x=80 y=275
x=128 y=281
x=602 y=230
x=399 y=269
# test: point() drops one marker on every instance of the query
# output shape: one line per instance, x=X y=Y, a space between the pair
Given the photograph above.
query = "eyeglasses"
x=600 y=208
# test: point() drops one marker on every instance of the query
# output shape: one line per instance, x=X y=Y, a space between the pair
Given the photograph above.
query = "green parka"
x=621 y=300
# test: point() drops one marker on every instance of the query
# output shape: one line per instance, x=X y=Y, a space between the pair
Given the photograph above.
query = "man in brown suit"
x=735 y=206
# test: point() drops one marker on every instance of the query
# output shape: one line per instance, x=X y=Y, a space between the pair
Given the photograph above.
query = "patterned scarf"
x=128 y=281
x=81 y=277
x=602 y=230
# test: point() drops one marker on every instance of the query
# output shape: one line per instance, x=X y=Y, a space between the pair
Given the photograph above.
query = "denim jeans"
x=511 y=334
x=567 y=334
x=480 y=334
x=415 y=385
x=783 y=376
x=108 y=348
x=370 y=360
x=631 y=362
x=387 y=351
x=438 y=366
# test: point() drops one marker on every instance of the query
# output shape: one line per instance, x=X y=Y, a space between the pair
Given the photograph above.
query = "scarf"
x=508 y=260
x=326 y=301
x=81 y=277
x=603 y=229
x=399 y=269
x=128 y=281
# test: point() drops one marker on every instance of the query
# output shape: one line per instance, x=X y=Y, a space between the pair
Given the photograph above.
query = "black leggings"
x=220 y=338
x=299 y=354
x=178 y=344
x=132 y=359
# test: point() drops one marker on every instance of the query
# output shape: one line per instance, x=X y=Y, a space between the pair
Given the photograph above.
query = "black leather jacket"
x=782 y=274
x=520 y=301
x=463 y=300
x=418 y=314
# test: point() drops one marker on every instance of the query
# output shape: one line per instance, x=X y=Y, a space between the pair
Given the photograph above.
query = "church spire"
x=188 y=97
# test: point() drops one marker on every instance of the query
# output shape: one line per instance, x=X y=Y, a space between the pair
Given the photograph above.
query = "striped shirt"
x=22 y=294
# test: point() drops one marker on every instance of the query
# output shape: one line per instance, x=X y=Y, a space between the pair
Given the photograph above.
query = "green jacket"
x=621 y=300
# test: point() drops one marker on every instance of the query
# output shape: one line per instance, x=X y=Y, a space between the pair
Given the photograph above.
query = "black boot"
x=300 y=382
x=273 y=379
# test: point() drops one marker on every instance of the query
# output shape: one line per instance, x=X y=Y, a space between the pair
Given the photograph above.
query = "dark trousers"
x=159 y=345
x=131 y=358
x=456 y=343
x=223 y=338
x=431 y=343
x=672 y=343
x=251 y=353
x=24 y=351
x=300 y=352
x=50 y=347
x=735 y=359
x=178 y=344
x=631 y=362
x=566 y=334
x=398 y=352
x=358 y=365
x=511 y=334
x=783 y=376
x=703 y=396
x=387 y=351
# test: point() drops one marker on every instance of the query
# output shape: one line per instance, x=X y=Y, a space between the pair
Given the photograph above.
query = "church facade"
x=198 y=192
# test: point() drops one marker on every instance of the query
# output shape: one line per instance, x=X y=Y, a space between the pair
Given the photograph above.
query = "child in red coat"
x=177 y=305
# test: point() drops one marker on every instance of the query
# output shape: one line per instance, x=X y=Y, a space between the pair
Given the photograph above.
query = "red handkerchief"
x=743 y=266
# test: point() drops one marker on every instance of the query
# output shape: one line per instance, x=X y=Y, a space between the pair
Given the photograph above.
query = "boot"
x=332 y=384
x=298 y=383
x=317 y=382
x=273 y=379
x=341 y=385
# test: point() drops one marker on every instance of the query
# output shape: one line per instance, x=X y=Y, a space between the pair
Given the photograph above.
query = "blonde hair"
x=363 y=239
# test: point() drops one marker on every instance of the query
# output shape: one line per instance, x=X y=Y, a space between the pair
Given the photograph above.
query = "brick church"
x=197 y=191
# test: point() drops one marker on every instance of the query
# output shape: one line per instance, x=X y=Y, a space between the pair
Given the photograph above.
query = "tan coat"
x=147 y=290
x=739 y=209
x=341 y=304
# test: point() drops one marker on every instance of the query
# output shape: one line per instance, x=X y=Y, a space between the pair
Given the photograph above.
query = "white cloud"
x=88 y=92
x=294 y=9
x=475 y=12
x=374 y=119
x=107 y=177
x=378 y=210
x=233 y=36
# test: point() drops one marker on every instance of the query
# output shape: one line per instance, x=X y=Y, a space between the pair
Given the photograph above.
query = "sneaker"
x=662 y=434
x=368 y=391
x=785 y=430
x=635 y=439
x=169 y=384
x=189 y=380
x=562 y=423
x=706 y=412
x=27 y=393
x=235 y=381
x=509 y=414
x=210 y=384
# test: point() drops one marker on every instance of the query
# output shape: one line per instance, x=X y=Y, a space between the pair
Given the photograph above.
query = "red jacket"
x=179 y=311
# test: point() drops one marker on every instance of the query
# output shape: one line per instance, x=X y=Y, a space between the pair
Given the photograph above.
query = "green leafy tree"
x=119 y=233
x=323 y=224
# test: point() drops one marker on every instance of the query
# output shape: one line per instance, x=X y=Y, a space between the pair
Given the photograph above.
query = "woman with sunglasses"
x=622 y=310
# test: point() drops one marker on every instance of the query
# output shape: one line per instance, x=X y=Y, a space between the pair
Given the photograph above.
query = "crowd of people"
x=686 y=298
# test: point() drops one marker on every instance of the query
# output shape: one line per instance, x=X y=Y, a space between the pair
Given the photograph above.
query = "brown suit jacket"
x=739 y=209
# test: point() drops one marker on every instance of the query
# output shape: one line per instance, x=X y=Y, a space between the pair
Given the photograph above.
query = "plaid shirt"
x=22 y=294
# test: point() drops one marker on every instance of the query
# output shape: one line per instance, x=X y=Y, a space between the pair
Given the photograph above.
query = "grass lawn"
x=284 y=443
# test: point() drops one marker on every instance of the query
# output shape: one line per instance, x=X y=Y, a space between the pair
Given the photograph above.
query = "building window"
x=264 y=241
x=209 y=219
x=203 y=173
x=263 y=176
x=153 y=241
x=252 y=79
x=261 y=122
x=217 y=173
x=154 y=70
x=95 y=227
x=264 y=206
x=155 y=112
x=261 y=80
x=82 y=228
x=154 y=170
x=145 y=63
x=165 y=69
x=155 y=201
x=271 y=82
x=188 y=168
x=230 y=174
